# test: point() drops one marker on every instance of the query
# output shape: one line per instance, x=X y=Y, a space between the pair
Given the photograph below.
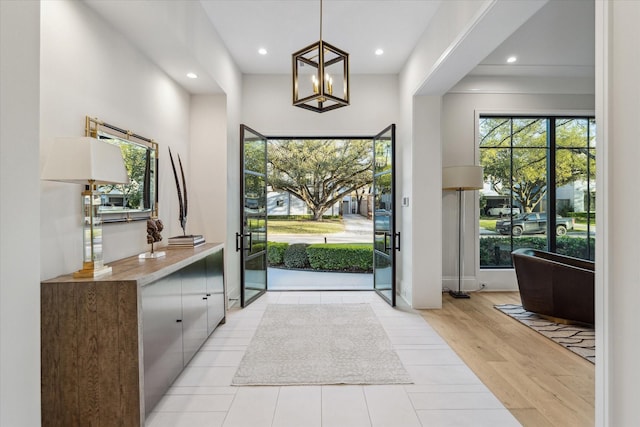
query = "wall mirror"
x=137 y=200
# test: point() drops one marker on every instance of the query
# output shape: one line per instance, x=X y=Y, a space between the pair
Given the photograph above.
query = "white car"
x=503 y=210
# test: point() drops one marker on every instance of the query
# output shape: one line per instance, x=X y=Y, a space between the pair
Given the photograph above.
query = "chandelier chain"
x=320 y=19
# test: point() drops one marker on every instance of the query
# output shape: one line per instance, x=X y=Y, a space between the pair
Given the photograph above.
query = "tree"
x=514 y=156
x=319 y=172
x=135 y=161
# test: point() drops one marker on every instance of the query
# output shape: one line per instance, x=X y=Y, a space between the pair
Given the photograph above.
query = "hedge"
x=275 y=252
x=341 y=256
x=295 y=256
x=496 y=251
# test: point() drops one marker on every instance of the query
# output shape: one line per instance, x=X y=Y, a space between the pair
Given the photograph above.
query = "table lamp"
x=88 y=161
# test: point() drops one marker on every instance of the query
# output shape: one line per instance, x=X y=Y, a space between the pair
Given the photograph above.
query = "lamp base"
x=156 y=254
x=459 y=294
x=88 y=273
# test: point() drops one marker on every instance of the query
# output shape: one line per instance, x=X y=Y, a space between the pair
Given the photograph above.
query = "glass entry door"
x=386 y=241
x=251 y=242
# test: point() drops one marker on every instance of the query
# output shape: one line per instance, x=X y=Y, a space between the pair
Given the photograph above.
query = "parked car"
x=503 y=210
x=533 y=223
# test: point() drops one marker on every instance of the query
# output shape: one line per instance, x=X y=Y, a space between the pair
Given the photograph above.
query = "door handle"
x=397 y=241
x=250 y=236
x=386 y=236
x=240 y=241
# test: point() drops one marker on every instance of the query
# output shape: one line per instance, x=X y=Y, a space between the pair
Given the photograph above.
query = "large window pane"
x=521 y=159
x=575 y=185
x=529 y=132
x=495 y=132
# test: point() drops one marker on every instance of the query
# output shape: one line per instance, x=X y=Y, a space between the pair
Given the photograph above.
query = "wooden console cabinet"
x=111 y=346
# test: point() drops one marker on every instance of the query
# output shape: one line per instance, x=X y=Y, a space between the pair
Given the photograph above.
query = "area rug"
x=320 y=344
x=579 y=339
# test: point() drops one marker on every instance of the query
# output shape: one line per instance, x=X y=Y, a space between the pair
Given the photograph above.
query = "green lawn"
x=275 y=226
x=488 y=224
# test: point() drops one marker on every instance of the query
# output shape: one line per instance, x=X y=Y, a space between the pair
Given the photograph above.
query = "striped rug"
x=579 y=339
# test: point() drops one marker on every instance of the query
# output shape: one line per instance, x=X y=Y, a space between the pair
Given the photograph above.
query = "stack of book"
x=189 y=241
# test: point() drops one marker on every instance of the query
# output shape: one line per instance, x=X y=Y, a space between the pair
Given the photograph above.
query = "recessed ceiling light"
x=512 y=59
x=192 y=75
x=379 y=52
x=262 y=51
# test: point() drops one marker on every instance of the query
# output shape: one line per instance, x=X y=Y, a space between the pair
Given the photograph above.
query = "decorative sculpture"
x=154 y=227
x=182 y=203
x=185 y=240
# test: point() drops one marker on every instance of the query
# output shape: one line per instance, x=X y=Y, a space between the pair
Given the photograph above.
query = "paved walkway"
x=279 y=279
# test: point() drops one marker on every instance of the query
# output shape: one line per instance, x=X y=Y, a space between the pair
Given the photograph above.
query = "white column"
x=617 y=205
x=19 y=213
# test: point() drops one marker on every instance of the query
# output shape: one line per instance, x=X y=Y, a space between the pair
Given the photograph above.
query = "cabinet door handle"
x=179 y=320
x=204 y=298
x=208 y=295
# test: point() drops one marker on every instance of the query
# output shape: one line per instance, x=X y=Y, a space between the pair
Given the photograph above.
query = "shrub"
x=275 y=252
x=343 y=257
x=496 y=251
x=295 y=256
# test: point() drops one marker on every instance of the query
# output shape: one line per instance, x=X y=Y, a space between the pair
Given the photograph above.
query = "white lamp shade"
x=81 y=159
x=462 y=178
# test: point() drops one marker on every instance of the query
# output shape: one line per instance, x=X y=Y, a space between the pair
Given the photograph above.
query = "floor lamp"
x=461 y=178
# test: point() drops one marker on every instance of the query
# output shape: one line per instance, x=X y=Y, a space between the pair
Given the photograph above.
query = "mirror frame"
x=101 y=130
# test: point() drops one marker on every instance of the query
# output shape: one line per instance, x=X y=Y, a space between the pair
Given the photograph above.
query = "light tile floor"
x=445 y=391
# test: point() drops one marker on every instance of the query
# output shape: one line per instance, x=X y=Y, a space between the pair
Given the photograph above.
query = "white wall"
x=461 y=34
x=418 y=150
x=423 y=260
x=267 y=108
x=180 y=36
x=460 y=147
x=209 y=166
x=87 y=68
x=617 y=204
x=19 y=214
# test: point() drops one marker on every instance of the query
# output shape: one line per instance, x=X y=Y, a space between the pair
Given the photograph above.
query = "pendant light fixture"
x=320 y=76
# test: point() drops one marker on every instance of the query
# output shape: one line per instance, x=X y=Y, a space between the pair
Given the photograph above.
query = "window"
x=539 y=190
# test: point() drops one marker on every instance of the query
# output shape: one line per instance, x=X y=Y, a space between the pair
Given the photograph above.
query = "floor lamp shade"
x=461 y=178
x=88 y=161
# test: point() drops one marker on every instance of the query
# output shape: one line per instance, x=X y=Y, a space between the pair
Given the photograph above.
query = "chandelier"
x=320 y=76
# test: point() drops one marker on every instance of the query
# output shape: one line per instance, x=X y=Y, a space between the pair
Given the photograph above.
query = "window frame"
x=551 y=148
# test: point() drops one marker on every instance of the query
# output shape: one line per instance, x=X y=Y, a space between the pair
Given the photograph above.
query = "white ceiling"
x=283 y=27
x=558 y=41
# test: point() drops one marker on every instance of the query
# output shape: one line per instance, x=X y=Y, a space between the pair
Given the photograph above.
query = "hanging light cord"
x=320 y=19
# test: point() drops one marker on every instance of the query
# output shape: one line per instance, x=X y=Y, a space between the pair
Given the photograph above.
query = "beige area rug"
x=320 y=344
x=579 y=339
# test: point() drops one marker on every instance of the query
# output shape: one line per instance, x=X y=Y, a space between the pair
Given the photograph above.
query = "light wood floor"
x=540 y=382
